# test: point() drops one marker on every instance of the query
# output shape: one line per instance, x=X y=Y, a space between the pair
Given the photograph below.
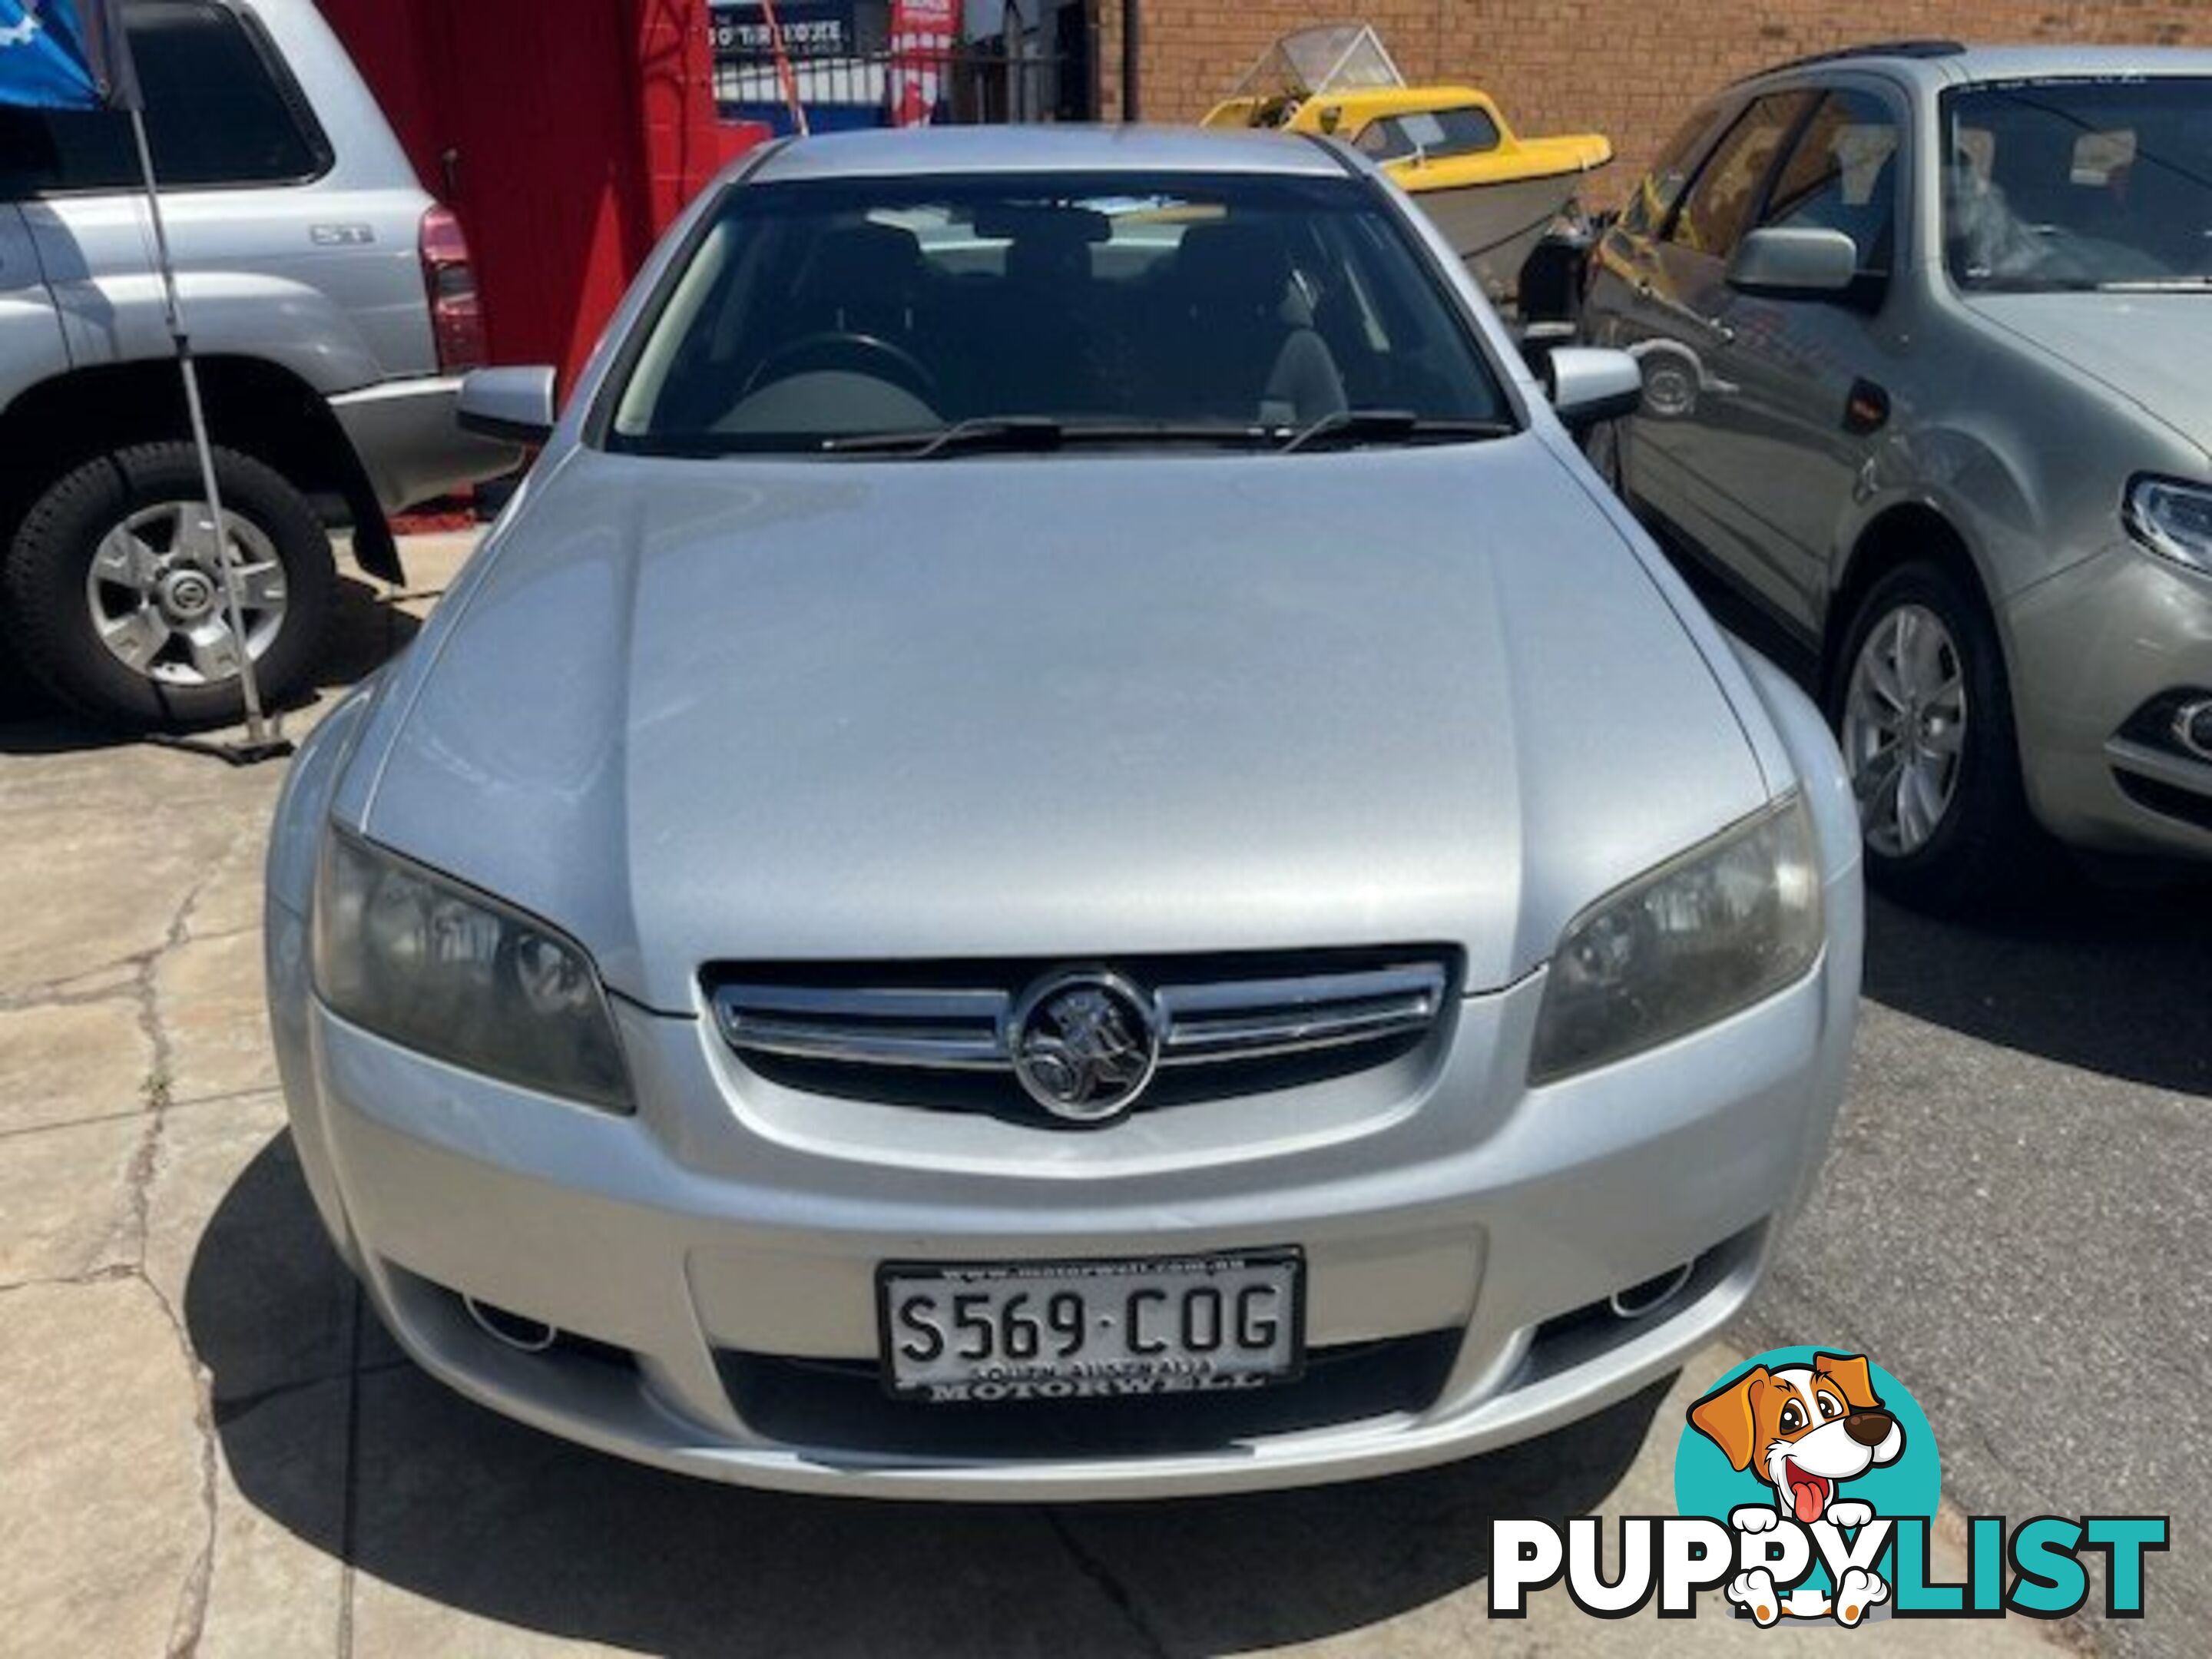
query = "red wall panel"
x=389 y=44
x=566 y=147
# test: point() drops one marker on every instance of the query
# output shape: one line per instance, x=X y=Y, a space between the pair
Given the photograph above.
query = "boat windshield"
x=1430 y=134
x=1334 y=58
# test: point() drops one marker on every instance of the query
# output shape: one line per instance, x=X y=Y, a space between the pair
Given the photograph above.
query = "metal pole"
x=1019 y=99
x=784 y=74
x=248 y=679
x=1131 y=105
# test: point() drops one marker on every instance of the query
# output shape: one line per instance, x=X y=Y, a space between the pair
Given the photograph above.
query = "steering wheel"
x=830 y=348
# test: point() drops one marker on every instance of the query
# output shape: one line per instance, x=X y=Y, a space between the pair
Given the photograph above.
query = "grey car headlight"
x=2174 y=520
x=435 y=967
x=1726 y=924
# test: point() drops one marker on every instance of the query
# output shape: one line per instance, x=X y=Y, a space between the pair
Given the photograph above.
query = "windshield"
x=814 y=316
x=2059 y=184
x=1431 y=133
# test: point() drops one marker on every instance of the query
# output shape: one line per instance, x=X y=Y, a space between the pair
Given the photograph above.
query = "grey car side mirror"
x=515 y=406
x=1783 y=260
x=1590 y=384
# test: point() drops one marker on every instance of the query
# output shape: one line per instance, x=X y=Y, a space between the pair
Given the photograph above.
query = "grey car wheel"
x=111 y=590
x=155 y=592
x=1905 y=727
x=1923 y=712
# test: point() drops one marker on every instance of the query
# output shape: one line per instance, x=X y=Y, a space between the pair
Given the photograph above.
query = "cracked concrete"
x=135 y=1085
x=102 y=1524
x=208 y=1447
x=207 y=988
x=68 y=1195
x=59 y=1056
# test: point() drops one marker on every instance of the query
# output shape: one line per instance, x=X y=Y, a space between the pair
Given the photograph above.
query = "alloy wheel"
x=155 y=594
x=1905 y=728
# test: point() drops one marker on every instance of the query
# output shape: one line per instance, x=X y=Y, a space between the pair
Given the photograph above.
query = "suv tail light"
x=456 y=316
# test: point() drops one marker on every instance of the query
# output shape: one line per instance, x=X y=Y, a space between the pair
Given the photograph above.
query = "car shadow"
x=2107 y=979
x=367 y=630
x=429 y=1495
x=2077 y=970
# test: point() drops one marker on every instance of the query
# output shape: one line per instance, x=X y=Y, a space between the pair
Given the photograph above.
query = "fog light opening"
x=1649 y=1296
x=513 y=1330
x=2193 y=728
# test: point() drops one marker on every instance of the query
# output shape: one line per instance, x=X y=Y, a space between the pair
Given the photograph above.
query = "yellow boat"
x=1492 y=193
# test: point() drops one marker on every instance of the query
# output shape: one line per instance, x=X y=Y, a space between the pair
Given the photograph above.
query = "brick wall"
x=1628 y=67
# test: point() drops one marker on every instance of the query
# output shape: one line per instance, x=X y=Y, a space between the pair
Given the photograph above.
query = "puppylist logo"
x=1807 y=1481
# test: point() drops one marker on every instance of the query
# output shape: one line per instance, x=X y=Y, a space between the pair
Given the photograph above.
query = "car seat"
x=862 y=278
x=1242 y=346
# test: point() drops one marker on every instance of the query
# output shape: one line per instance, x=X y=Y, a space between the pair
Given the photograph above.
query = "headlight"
x=1726 y=923
x=436 y=968
x=2174 y=520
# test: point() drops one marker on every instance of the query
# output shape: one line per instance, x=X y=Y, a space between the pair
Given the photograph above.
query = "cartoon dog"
x=1806 y=1429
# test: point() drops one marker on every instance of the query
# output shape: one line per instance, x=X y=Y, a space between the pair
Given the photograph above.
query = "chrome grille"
x=1245 y=1020
x=950 y=1025
x=896 y=1027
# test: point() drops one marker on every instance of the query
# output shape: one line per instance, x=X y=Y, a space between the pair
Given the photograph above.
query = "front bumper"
x=2092 y=645
x=711 y=1248
x=410 y=446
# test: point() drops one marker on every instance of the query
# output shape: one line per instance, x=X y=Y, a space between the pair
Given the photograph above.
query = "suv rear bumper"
x=411 y=447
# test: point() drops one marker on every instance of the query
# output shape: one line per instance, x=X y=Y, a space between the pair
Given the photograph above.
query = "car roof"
x=1050 y=148
x=2029 y=63
x=1935 y=64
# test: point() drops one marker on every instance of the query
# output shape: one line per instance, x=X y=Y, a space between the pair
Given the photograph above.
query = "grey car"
x=1927 y=340
x=1061 y=848
x=332 y=303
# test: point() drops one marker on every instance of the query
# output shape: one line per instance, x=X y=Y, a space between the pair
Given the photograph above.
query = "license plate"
x=1095 y=1330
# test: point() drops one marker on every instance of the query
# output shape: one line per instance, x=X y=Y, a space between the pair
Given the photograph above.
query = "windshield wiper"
x=2089 y=285
x=2157 y=285
x=1038 y=434
x=1395 y=425
x=1006 y=433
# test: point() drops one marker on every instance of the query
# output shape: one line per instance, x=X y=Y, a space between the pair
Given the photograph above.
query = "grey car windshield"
x=2074 y=185
x=841 y=316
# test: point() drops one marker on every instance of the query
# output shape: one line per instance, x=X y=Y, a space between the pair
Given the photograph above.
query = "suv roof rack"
x=1869 y=49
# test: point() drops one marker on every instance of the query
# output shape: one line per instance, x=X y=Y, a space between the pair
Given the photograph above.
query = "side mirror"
x=1590 y=385
x=1785 y=262
x=514 y=405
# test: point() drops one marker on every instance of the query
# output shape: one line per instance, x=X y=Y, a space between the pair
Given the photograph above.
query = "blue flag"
x=65 y=54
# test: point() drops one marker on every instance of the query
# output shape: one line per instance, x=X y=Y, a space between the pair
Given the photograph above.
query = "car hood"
x=2154 y=349
x=1071 y=708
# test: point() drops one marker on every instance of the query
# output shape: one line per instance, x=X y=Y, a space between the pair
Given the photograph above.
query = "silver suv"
x=332 y=304
x=1927 y=344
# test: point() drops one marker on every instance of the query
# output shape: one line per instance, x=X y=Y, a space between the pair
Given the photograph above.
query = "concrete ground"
x=208 y=1447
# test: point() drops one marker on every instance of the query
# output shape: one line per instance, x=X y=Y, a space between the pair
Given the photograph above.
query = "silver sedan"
x=1061 y=849
x=1927 y=331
